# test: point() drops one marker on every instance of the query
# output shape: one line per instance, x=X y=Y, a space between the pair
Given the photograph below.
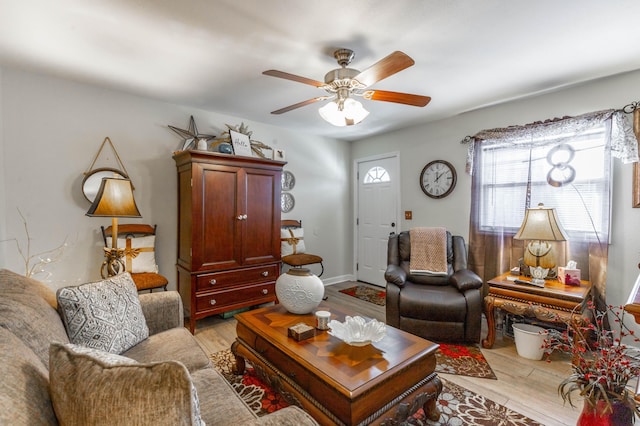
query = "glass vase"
x=618 y=414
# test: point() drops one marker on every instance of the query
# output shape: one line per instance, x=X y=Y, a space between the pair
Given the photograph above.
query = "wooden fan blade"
x=293 y=77
x=300 y=104
x=395 y=62
x=399 y=98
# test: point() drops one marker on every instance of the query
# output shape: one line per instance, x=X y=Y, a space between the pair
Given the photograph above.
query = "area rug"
x=463 y=360
x=457 y=405
x=367 y=294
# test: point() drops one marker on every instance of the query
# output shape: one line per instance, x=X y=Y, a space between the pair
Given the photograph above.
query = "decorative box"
x=301 y=331
x=569 y=276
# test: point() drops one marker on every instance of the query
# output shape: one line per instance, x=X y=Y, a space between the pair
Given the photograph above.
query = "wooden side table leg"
x=429 y=407
x=491 y=322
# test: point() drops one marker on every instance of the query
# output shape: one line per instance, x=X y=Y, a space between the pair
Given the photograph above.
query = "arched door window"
x=376 y=174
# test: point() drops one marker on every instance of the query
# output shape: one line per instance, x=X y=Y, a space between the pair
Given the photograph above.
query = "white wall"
x=53 y=129
x=441 y=140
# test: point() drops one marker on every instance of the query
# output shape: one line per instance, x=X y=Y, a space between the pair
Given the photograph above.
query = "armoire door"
x=261 y=228
x=216 y=222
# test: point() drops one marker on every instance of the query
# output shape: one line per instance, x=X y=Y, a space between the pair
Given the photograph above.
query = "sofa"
x=165 y=378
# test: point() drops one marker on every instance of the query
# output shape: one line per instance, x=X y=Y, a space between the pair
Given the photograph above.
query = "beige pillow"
x=104 y=315
x=139 y=253
x=91 y=387
x=292 y=241
x=12 y=282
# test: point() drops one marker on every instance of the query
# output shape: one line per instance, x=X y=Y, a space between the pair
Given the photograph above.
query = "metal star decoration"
x=191 y=135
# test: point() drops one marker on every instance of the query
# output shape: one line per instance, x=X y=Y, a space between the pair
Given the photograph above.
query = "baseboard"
x=339 y=279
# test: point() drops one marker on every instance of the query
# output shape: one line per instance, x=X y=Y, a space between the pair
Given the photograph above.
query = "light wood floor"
x=528 y=387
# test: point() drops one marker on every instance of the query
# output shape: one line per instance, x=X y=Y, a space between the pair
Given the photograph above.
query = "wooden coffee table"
x=382 y=383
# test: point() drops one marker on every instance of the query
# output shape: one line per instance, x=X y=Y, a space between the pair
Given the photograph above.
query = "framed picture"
x=241 y=143
x=278 y=154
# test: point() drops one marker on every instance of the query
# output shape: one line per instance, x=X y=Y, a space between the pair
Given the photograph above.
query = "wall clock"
x=438 y=178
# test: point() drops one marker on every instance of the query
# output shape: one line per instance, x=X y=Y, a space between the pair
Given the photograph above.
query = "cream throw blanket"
x=428 y=251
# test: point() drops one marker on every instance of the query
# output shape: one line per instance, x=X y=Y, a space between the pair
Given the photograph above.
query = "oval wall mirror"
x=93 y=179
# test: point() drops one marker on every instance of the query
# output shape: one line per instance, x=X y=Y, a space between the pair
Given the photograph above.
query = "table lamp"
x=540 y=225
x=114 y=199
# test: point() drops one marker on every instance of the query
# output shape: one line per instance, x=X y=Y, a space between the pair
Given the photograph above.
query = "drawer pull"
x=265 y=274
x=212 y=302
x=265 y=291
x=213 y=281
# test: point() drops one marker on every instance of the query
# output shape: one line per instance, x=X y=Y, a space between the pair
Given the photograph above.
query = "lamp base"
x=113 y=263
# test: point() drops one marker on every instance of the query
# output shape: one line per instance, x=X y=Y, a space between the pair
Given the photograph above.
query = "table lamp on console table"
x=114 y=199
x=540 y=226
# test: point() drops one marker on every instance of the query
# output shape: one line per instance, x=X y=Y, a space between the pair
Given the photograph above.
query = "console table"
x=556 y=302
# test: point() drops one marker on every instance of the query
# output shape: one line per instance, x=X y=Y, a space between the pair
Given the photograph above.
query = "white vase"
x=299 y=291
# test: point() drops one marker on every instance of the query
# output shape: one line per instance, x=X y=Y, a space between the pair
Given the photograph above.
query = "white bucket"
x=529 y=340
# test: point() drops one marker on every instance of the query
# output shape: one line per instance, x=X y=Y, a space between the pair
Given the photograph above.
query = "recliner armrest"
x=466 y=279
x=396 y=275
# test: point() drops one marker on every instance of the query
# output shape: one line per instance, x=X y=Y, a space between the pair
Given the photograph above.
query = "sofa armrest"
x=289 y=416
x=466 y=279
x=396 y=275
x=162 y=310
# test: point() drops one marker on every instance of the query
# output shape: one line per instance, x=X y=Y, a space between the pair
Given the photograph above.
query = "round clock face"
x=438 y=178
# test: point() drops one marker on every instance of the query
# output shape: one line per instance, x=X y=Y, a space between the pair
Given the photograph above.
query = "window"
x=567 y=172
x=376 y=174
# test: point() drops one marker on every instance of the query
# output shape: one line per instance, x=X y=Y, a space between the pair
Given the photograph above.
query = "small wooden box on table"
x=556 y=302
x=381 y=383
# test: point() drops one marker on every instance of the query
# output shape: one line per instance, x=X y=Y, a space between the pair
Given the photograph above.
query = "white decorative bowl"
x=356 y=331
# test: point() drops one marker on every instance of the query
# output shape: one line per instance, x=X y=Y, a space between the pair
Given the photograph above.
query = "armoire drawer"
x=234 y=295
x=235 y=277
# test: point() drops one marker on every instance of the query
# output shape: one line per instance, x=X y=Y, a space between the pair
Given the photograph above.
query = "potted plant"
x=602 y=365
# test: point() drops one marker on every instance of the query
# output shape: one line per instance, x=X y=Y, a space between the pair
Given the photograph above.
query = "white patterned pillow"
x=103 y=315
x=89 y=386
x=139 y=253
x=292 y=240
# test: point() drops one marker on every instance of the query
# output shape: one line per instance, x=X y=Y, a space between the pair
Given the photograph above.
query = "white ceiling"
x=211 y=54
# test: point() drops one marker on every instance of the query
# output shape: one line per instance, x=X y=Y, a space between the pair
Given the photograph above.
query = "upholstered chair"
x=444 y=308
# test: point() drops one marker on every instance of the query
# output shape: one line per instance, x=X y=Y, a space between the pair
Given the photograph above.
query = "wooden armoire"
x=228 y=231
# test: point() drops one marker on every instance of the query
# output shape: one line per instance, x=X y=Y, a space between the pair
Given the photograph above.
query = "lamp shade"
x=541 y=223
x=352 y=112
x=114 y=199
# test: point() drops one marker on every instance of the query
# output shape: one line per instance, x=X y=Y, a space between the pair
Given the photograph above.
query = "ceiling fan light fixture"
x=352 y=112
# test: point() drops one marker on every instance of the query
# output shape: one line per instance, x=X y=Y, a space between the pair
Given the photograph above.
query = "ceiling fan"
x=344 y=83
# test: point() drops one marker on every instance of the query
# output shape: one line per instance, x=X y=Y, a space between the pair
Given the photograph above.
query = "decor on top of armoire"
x=228 y=231
x=241 y=135
x=192 y=139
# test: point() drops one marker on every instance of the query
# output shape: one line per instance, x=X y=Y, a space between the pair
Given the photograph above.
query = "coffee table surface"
x=350 y=370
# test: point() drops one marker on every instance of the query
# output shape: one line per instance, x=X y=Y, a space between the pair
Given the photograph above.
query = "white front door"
x=378 y=198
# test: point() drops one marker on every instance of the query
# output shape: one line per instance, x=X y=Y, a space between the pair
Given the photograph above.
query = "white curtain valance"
x=624 y=144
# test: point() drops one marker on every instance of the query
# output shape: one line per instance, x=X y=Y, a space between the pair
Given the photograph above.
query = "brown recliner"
x=440 y=308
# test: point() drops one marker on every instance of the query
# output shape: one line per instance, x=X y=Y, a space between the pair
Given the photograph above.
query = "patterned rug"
x=463 y=361
x=457 y=405
x=367 y=294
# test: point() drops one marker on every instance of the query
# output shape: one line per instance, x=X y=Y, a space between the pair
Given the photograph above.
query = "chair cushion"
x=301 y=259
x=104 y=315
x=441 y=303
x=148 y=280
x=292 y=241
x=139 y=252
x=89 y=386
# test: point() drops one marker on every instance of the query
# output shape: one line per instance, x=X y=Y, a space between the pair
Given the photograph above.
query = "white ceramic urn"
x=299 y=291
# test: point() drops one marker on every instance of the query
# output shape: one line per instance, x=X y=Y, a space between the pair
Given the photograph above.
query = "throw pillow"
x=139 y=253
x=292 y=241
x=89 y=386
x=104 y=315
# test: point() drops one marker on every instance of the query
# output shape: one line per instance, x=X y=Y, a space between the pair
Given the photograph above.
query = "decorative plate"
x=287 y=202
x=288 y=181
x=356 y=331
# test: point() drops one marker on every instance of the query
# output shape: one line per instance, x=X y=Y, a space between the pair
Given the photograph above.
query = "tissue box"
x=568 y=276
